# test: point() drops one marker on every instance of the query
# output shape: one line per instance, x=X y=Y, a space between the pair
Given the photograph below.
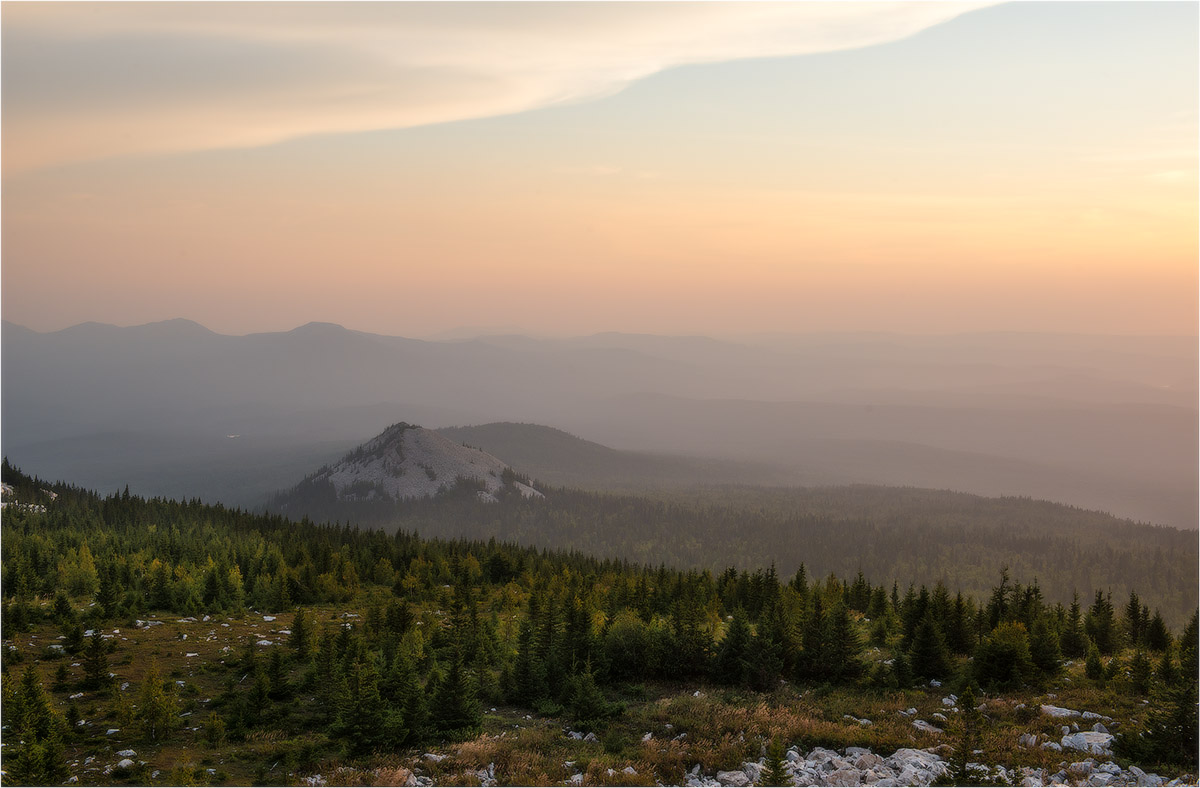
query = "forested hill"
x=442 y=629
x=912 y=535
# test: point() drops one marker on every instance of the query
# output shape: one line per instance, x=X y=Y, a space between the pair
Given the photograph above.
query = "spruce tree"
x=1166 y=671
x=1100 y=625
x=1140 y=671
x=157 y=710
x=775 y=774
x=301 y=637
x=930 y=658
x=1073 y=640
x=587 y=703
x=95 y=662
x=360 y=720
x=455 y=710
x=1158 y=637
x=1093 y=668
x=730 y=665
x=1044 y=648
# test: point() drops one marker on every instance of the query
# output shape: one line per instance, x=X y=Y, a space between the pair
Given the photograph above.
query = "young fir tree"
x=455 y=711
x=730 y=665
x=529 y=672
x=1002 y=658
x=968 y=726
x=1171 y=731
x=1158 y=637
x=1133 y=620
x=587 y=703
x=902 y=670
x=1093 y=668
x=360 y=719
x=1044 y=648
x=95 y=662
x=1166 y=672
x=301 y=638
x=1100 y=624
x=157 y=710
x=930 y=657
x=842 y=645
x=1140 y=671
x=37 y=731
x=1073 y=639
x=774 y=774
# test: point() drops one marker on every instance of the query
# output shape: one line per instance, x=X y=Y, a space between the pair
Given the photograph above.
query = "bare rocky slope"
x=406 y=461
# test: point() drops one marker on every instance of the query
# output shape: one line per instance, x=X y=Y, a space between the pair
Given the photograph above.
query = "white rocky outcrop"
x=860 y=766
x=412 y=462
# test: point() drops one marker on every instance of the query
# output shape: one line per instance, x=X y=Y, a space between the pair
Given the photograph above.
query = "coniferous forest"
x=221 y=646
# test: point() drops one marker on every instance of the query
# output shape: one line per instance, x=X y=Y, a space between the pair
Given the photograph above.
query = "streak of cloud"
x=88 y=81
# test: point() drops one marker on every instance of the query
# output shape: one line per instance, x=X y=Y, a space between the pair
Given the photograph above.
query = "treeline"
x=919 y=536
x=446 y=625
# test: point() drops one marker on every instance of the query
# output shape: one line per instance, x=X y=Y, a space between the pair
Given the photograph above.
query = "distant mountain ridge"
x=1099 y=422
x=406 y=462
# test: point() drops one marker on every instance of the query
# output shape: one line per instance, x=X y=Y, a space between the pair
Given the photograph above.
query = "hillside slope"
x=558 y=457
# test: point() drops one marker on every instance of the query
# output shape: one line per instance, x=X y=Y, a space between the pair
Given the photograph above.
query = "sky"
x=572 y=168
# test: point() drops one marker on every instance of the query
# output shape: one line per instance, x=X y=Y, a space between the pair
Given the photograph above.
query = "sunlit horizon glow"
x=567 y=169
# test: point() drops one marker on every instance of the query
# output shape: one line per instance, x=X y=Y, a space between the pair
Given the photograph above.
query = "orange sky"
x=1021 y=167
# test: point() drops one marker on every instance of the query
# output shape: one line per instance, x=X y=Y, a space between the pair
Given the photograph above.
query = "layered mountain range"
x=174 y=409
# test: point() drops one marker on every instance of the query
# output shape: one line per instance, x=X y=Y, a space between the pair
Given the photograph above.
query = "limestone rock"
x=1089 y=741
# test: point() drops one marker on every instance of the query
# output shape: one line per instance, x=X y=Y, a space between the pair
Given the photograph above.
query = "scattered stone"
x=1058 y=711
x=844 y=777
x=576 y=735
x=1052 y=745
x=937 y=715
x=430 y=756
x=265 y=643
x=949 y=700
x=1027 y=740
x=922 y=725
x=629 y=770
x=1089 y=741
x=1099 y=728
x=126 y=754
x=125 y=763
x=111 y=731
x=738 y=779
x=647 y=736
x=590 y=737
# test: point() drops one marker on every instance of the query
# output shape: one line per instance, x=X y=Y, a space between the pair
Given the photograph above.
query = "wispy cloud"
x=85 y=81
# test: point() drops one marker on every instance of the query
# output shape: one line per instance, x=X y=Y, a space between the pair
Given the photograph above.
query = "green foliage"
x=1140 y=671
x=1094 y=667
x=730 y=666
x=95 y=662
x=930 y=658
x=587 y=703
x=1044 y=649
x=36 y=732
x=157 y=709
x=774 y=774
x=455 y=711
x=1002 y=659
